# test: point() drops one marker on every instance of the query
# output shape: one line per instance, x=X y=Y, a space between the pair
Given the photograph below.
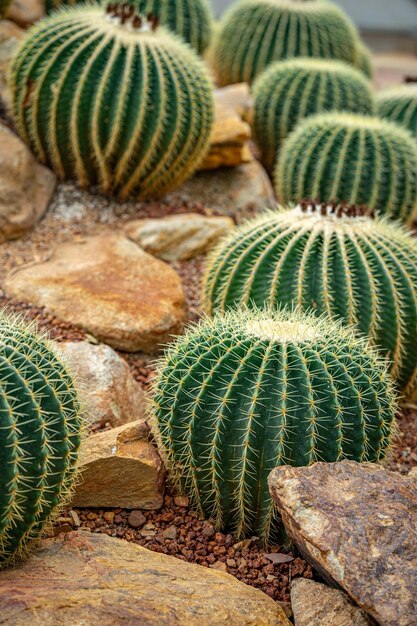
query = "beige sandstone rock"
x=109 y=392
x=235 y=97
x=120 y=468
x=90 y=579
x=178 y=237
x=26 y=187
x=357 y=524
x=10 y=35
x=26 y=12
x=108 y=286
x=314 y=604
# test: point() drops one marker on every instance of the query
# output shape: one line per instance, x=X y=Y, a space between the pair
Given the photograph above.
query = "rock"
x=314 y=604
x=357 y=524
x=120 y=469
x=26 y=187
x=181 y=501
x=91 y=579
x=178 y=237
x=10 y=35
x=230 y=135
x=136 y=519
x=124 y=296
x=26 y=12
x=109 y=392
x=238 y=192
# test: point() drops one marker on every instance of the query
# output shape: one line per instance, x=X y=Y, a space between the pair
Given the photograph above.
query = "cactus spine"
x=289 y=91
x=254 y=33
x=399 y=104
x=248 y=391
x=334 y=260
x=190 y=19
x=340 y=157
x=112 y=99
x=40 y=427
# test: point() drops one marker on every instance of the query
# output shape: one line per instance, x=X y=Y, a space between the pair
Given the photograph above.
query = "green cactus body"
x=399 y=105
x=254 y=33
x=334 y=261
x=248 y=391
x=363 y=60
x=40 y=427
x=113 y=100
x=289 y=91
x=350 y=158
x=190 y=19
x=4 y=5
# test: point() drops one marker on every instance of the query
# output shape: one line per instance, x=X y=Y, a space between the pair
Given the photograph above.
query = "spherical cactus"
x=289 y=91
x=109 y=98
x=4 y=5
x=254 y=33
x=40 y=427
x=363 y=60
x=248 y=391
x=350 y=158
x=335 y=260
x=190 y=19
x=399 y=104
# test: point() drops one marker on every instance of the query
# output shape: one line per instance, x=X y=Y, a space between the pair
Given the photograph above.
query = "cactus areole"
x=249 y=390
x=109 y=97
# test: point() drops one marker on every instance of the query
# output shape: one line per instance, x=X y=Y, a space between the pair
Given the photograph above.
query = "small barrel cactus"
x=4 y=6
x=40 y=427
x=335 y=260
x=109 y=98
x=254 y=33
x=399 y=104
x=190 y=19
x=289 y=91
x=247 y=391
x=363 y=60
x=342 y=157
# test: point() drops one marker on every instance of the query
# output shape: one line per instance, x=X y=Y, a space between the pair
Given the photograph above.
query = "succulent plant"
x=289 y=91
x=40 y=427
x=109 y=98
x=334 y=260
x=363 y=60
x=342 y=157
x=4 y=5
x=249 y=390
x=254 y=33
x=190 y=19
x=399 y=105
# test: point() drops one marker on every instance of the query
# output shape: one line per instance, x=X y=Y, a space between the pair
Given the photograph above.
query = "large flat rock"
x=108 y=286
x=357 y=524
x=87 y=579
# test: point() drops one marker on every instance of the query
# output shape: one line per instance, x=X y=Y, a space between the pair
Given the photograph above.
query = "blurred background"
x=386 y=25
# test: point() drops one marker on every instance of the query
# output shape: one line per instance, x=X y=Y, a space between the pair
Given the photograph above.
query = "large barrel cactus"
x=191 y=19
x=254 y=33
x=289 y=91
x=399 y=104
x=40 y=427
x=335 y=260
x=341 y=157
x=110 y=98
x=248 y=391
x=364 y=61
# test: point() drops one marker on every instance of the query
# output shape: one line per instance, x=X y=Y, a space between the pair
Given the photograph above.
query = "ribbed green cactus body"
x=363 y=60
x=350 y=158
x=4 y=5
x=357 y=269
x=40 y=434
x=399 y=105
x=291 y=90
x=254 y=33
x=190 y=19
x=246 y=392
x=128 y=108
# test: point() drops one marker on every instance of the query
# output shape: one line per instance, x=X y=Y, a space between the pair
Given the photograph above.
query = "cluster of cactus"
x=40 y=427
x=190 y=19
x=108 y=97
x=4 y=5
x=399 y=104
x=334 y=259
x=248 y=391
x=343 y=157
x=254 y=33
x=289 y=91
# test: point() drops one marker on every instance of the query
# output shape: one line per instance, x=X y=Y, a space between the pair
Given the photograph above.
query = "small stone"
x=62 y=529
x=136 y=519
x=148 y=533
x=170 y=532
x=75 y=518
x=109 y=517
x=231 y=563
x=208 y=530
x=26 y=12
x=181 y=501
x=219 y=565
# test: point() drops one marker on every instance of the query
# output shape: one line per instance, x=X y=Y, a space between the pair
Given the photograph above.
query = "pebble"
x=181 y=501
x=136 y=519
